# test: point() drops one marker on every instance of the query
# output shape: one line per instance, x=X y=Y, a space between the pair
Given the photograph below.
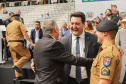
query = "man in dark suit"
x=89 y=48
x=3 y=39
x=50 y=56
x=21 y=19
x=36 y=34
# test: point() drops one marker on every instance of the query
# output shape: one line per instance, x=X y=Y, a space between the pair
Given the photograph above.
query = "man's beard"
x=109 y=15
x=37 y=28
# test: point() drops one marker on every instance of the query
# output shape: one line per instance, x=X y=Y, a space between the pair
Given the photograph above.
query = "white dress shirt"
x=36 y=36
x=82 y=54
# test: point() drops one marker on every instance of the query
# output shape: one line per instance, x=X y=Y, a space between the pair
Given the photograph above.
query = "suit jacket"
x=33 y=33
x=67 y=32
x=49 y=58
x=91 y=50
x=121 y=41
x=22 y=20
x=1 y=22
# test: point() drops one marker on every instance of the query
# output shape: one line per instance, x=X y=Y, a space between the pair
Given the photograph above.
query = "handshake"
x=31 y=45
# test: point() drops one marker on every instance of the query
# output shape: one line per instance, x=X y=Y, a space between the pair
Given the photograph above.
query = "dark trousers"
x=30 y=52
x=124 y=81
x=73 y=81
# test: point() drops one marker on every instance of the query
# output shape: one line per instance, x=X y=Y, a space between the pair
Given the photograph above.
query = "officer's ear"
x=105 y=33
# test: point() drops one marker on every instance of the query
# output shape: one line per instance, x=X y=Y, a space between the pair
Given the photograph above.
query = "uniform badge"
x=105 y=71
x=107 y=61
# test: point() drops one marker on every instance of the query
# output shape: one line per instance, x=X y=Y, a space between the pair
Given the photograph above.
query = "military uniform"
x=107 y=64
x=14 y=31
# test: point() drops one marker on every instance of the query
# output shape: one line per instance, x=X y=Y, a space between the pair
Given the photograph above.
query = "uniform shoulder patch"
x=107 y=55
x=106 y=61
x=105 y=71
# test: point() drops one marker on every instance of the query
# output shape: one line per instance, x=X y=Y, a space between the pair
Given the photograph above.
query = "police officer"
x=15 y=33
x=106 y=67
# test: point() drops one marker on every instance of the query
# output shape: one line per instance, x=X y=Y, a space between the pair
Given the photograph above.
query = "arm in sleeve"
x=59 y=54
x=107 y=72
x=117 y=40
x=23 y=29
x=31 y=36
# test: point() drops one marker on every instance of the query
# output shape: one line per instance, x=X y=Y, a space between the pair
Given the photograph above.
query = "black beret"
x=16 y=15
x=107 y=25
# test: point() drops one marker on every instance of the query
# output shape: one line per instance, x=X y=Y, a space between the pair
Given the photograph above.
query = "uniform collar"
x=108 y=44
x=16 y=20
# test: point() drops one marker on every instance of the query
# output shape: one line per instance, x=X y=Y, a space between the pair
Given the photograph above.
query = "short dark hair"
x=114 y=6
x=113 y=34
x=37 y=22
x=101 y=13
x=109 y=10
x=78 y=14
x=11 y=13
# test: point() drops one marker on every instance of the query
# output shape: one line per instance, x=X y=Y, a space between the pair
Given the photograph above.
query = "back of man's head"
x=48 y=26
x=78 y=14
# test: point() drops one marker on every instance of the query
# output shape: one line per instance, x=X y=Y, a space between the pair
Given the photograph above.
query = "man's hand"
x=33 y=65
x=120 y=50
x=4 y=39
x=32 y=46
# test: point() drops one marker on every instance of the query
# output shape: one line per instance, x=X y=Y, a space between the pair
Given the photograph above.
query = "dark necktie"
x=78 y=69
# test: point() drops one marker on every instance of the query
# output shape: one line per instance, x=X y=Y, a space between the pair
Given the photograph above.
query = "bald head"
x=18 y=12
x=64 y=25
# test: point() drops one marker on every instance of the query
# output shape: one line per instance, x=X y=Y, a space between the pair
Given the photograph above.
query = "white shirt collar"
x=81 y=36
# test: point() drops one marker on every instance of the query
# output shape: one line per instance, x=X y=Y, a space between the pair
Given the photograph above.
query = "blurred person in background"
x=35 y=35
x=94 y=19
x=98 y=19
x=121 y=41
x=21 y=19
x=48 y=16
x=64 y=31
x=108 y=15
x=42 y=17
x=89 y=27
x=95 y=25
x=115 y=13
x=3 y=10
x=101 y=16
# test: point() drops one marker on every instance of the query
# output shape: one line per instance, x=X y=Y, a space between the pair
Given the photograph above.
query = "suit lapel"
x=34 y=33
x=86 y=44
x=70 y=43
x=40 y=33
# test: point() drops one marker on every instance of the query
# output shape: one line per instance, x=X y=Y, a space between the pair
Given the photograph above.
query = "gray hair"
x=16 y=18
x=48 y=26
